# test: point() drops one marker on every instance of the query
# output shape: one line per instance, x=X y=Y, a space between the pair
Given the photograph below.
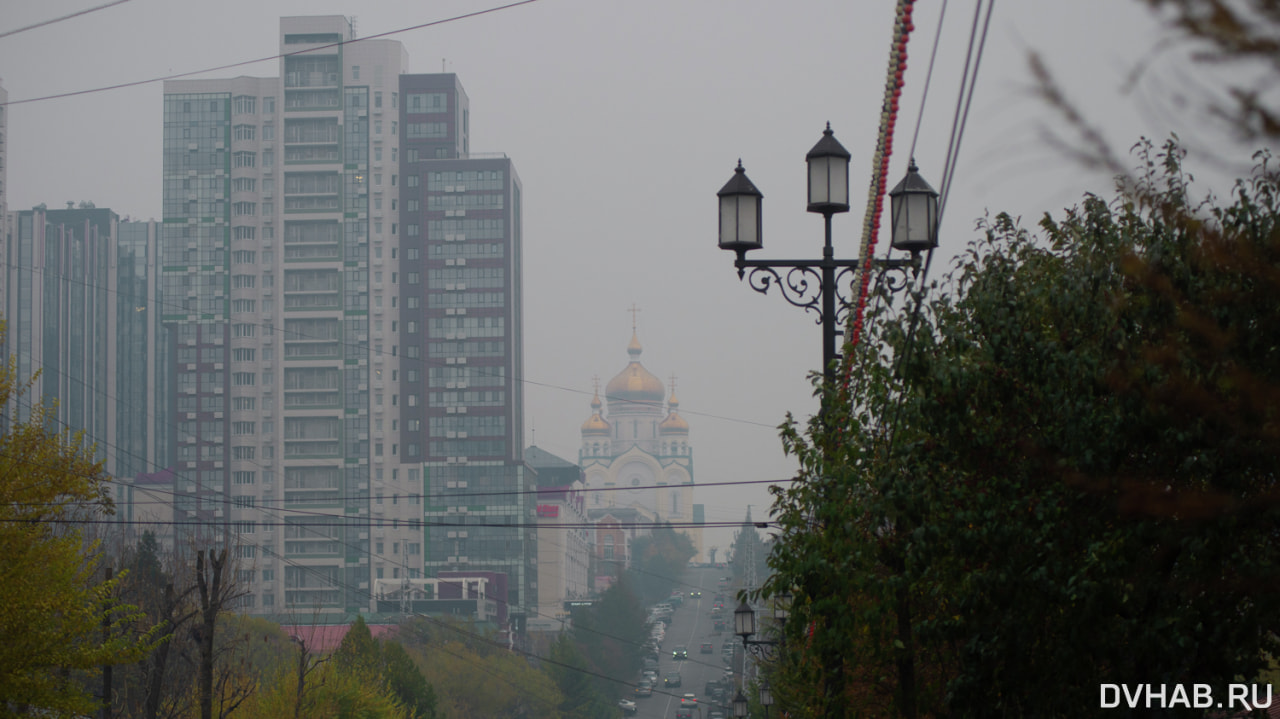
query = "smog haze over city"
x=623 y=120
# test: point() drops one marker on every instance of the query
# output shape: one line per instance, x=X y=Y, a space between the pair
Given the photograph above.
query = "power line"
x=176 y=76
x=64 y=17
x=355 y=522
x=425 y=363
x=425 y=497
x=963 y=102
x=928 y=76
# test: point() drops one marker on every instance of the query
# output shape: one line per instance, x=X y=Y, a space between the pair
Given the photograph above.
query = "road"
x=691 y=625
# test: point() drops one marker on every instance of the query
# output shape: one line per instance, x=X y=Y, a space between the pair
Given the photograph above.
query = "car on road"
x=716 y=714
x=680 y=652
x=706 y=648
x=695 y=594
x=684 y=713
x=644 y=689
x=688 y=700
x=672 y=679
x=627 y=706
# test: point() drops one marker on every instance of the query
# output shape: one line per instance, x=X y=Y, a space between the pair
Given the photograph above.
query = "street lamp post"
x=824 y=286
x=744 y=625
x=766 y=697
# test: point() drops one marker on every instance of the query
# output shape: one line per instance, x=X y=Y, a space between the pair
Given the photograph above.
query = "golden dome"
x=595 y=424
x=635 y=383
x=674 y=423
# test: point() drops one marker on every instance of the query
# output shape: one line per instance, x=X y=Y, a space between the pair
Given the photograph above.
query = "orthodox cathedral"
x=637 y=441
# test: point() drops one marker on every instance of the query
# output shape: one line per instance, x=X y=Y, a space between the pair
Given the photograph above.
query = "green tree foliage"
x=584 y=698
x=359 y=651
x=406 y=681
x=1065 y=475
x=388 y=664
x=473 y=682
x=612 y=631
x=52 y=601
x=330 y=694
x=657 y=561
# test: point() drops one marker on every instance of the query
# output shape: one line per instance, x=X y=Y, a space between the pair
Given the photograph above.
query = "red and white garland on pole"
x=902 y=28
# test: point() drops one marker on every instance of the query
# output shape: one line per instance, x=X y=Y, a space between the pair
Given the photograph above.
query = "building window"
x=355 y=73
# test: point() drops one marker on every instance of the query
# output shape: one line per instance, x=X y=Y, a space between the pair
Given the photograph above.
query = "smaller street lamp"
x=913 y=207
x=828 y=163
x=744 y=621
x=740 y=705
x=744 y=625
x=740 y=214
x=766 y=697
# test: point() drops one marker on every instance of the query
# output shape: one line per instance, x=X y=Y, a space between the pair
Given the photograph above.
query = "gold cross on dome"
x=634 y=311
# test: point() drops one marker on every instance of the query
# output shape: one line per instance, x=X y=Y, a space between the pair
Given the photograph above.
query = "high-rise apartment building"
x=278 y=212
x=5 y=222
x=463 y=340
x=306 y=285
x=79 y=291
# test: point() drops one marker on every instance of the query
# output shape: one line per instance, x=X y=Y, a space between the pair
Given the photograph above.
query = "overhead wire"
x=425 y=362
x=229 y=500
x=964 y=99
x=176 y=76
x=70 y=16
x=269 y=551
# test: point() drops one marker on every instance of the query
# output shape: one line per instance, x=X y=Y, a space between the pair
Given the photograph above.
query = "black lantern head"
x=744 y=621
x=740 y=215
x=740 y=707
x=828 y=175
x=913 y=205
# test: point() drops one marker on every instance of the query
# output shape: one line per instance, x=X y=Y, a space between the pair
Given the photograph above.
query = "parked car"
x=627 y=706
x=672 y=679
x=644 y=689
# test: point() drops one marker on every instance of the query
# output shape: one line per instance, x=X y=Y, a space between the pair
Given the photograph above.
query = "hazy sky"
x=623 y=120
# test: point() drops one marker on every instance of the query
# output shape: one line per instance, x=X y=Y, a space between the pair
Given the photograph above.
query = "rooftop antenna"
x=442 y=70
